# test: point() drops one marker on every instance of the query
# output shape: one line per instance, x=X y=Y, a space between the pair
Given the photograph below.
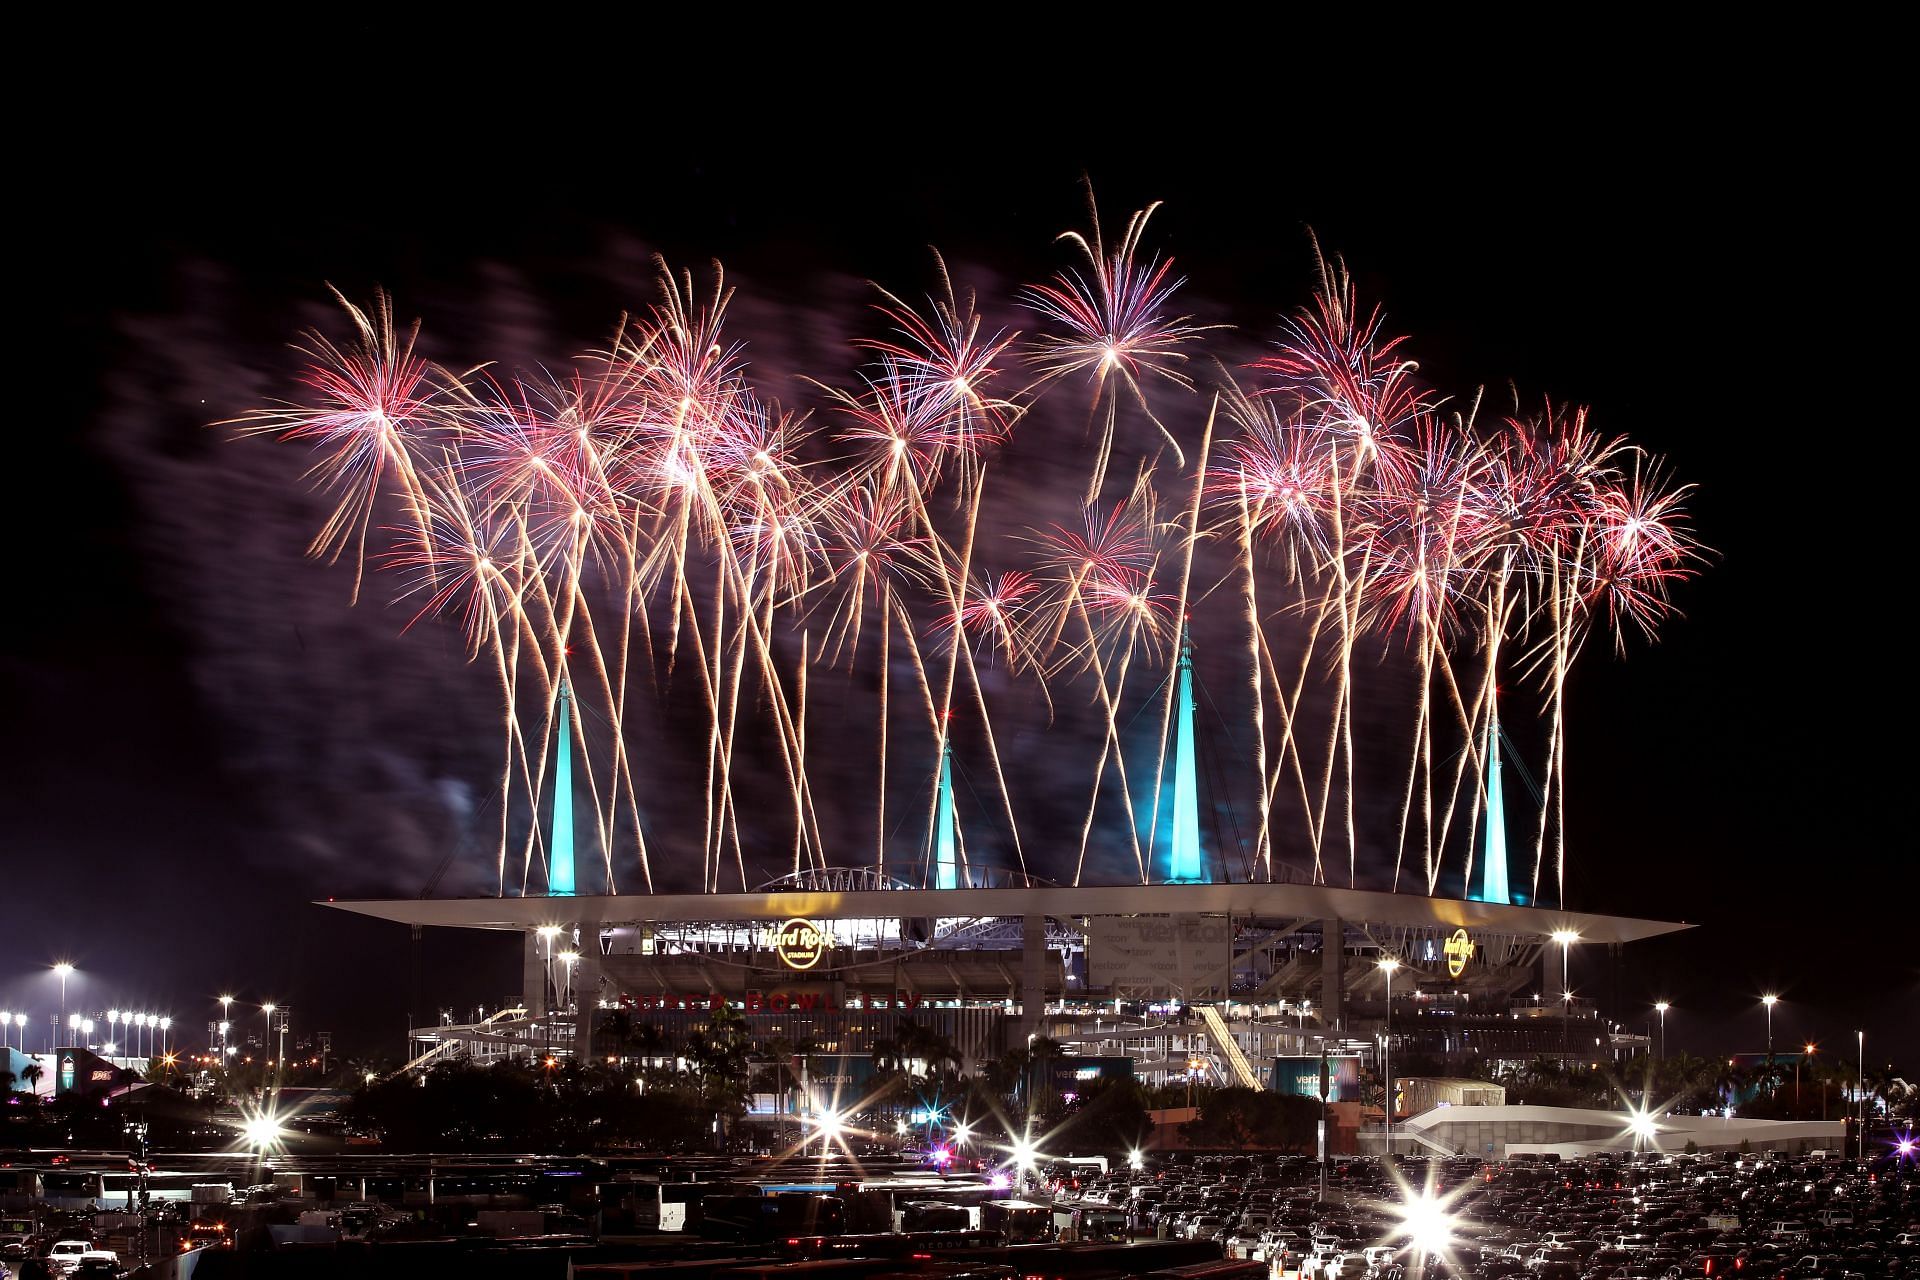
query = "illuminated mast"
x=945 y=865
x=1184 y=865
x=560 y=849
x=1493 y=857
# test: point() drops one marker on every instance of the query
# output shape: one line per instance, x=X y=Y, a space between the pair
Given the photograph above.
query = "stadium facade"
x=1218 y=978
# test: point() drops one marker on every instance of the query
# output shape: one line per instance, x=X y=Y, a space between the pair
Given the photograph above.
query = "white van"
x=65 y=1255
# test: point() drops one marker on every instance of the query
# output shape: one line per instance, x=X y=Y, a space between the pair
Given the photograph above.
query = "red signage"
x=766 y=1002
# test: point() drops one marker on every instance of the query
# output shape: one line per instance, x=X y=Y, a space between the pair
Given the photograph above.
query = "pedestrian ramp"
x=1227 y=1048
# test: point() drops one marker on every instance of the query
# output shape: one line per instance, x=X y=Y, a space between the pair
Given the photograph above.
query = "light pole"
x=20 y=1021
x=1387 y=966
x=266 y=1036
x=1660 y=1007
x=1769 y=1001
x=6 y=1030
x=547 y=933
x=64 y=970
x=1860 y=1090
x=166 y=1036
x=1566 y=938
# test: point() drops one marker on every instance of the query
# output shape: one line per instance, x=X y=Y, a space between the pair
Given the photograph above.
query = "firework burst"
x=647 y=527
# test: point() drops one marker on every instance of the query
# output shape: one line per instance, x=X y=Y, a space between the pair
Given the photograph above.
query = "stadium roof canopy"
x=1277 y=901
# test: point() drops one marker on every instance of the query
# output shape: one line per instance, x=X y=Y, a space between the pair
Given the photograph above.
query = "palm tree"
x=1881 y=1083
x=1902 y=1096
x=1692 y=1080
x=1728 y=1082
x=31 y=1075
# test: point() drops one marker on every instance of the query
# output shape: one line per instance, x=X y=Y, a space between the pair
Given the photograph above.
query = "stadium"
x=1221 y=980
x=1195 y=977
x=654 y=571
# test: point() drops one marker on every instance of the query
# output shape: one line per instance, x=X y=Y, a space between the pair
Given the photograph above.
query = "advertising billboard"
x=837 y=1081
x=1300 y=1076
x=1184 y=957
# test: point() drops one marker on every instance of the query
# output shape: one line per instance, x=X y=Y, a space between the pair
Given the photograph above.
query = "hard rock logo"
x=1458 y=951
x=800 y=944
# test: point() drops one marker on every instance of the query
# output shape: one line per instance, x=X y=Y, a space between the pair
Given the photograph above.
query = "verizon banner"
x=1187 y=956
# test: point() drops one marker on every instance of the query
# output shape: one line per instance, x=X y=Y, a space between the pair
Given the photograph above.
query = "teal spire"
x=560 y=849
x=946 y=869
x=1184 y=864
x=1493 y=856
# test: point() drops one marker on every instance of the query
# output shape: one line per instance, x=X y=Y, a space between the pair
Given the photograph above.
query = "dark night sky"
x=1696 y=257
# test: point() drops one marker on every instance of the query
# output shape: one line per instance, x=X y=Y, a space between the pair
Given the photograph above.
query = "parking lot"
x=1613 y=1217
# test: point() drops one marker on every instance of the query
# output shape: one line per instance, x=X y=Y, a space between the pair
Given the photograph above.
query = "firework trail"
x=646 y=527
x=1113 y=325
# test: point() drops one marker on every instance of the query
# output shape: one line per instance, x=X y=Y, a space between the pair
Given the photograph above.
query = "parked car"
x=65 y=1255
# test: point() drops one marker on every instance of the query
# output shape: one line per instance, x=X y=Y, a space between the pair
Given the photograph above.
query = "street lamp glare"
x=1661 y=1006
x=1565 y=937
x=63 y=969
x=1769 y=1001
x=1426 y=1224
x=262 y=1131
x=268 y=1007
x=1389 y=963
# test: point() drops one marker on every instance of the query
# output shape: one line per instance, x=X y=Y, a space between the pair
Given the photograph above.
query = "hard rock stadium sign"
x=1458 y=950
x=800 y=944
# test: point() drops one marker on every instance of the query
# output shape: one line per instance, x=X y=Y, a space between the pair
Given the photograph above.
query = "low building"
x=1502 y=1132
x=1424 y=1093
